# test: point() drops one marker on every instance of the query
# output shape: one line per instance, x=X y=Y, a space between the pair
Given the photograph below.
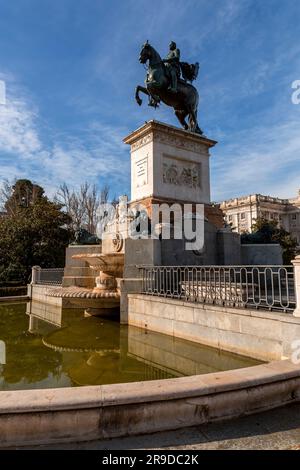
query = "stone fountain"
x=93 y=283
x=92 y=273
x=109 y=267
x=105 y=296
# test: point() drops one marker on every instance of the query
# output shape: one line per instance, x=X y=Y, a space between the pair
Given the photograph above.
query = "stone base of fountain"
x=90 y=281
x=104 y=298
x=101 y=303
x=100 y=298
x=105 y=283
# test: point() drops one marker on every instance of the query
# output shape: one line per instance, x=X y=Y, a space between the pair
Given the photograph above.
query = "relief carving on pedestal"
x=143 y=141
x=169 y=139
x=189 y=176
x=117 y=242
x=176 y=141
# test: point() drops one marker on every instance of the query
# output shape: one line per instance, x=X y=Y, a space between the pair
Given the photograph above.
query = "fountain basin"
x=109 y=263
x=109 y=266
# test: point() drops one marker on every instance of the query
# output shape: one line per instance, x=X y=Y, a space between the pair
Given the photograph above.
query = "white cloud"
x=18 y=132
x=73 y=162
x=264 y=159
x=2 y=92
x=99 y=154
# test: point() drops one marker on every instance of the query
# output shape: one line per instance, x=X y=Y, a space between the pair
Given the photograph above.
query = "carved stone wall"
x=179 y=142
x=169 y=139
x=143 y=141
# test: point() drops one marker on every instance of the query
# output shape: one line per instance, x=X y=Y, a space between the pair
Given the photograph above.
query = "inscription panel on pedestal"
x=141 y=172
x=181 y=172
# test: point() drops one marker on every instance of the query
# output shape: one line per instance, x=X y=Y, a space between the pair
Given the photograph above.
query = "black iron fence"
x=49 y=277
x=268 y=287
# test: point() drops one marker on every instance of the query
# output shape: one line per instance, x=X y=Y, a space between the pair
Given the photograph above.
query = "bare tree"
x=91 y=203
x=104 y=194
x=73 y=204
x=82 y=205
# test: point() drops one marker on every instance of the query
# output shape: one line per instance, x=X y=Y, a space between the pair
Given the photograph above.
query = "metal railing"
x=268 y=287
x=49 y=277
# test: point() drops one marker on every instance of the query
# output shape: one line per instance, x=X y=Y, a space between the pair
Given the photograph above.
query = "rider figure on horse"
x=170 y=81
x=172 y=63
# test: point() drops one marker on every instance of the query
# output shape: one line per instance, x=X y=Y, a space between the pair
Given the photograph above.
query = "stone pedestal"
x=169 y=165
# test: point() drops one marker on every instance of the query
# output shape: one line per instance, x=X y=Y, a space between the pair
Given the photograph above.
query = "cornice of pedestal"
x=171 y=135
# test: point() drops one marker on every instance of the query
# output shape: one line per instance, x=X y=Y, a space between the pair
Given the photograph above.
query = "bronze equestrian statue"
x=164 y=83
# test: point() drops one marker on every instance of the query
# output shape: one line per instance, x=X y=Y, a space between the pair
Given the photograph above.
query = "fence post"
x=35 y=274
x=296 y=263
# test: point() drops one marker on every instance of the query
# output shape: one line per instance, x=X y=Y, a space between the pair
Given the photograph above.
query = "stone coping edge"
x=259 y=313
x=153 y=124
x=75 y=398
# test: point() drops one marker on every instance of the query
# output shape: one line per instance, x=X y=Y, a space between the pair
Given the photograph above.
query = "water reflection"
x=51 y=347
x=28 y=363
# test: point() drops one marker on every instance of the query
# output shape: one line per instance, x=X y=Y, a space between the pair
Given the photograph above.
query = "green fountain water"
x=71 y=350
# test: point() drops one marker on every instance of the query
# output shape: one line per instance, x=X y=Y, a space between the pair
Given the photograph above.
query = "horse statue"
x=184 y=99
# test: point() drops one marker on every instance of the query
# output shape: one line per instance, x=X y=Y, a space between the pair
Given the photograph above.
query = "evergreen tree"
x=33 y=232
x=266 y=231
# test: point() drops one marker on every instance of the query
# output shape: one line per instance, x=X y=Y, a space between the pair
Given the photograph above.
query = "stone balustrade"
x=296 y=263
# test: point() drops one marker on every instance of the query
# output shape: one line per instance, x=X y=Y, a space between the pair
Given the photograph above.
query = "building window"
x=243 y=215
x=294 y=216
x=230 y=218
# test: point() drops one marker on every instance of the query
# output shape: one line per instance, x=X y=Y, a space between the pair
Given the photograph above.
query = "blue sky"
x=70 y=69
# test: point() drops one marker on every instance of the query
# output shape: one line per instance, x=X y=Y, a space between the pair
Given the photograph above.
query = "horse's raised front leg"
x=137 y=96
